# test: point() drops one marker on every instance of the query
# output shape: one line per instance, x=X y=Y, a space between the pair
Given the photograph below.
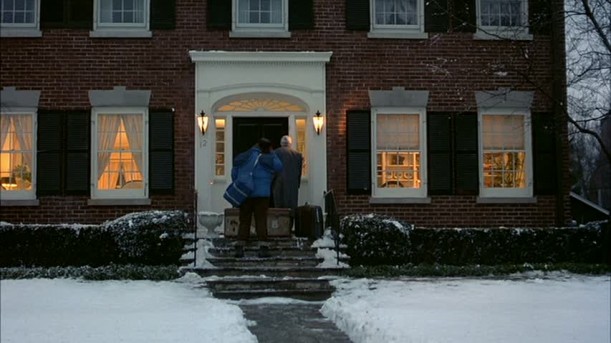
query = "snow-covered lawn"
x=556 y=309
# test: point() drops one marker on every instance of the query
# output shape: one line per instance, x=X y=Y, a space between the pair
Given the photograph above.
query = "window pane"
x=122 y=11
x=260 y=11
x=398 y=131
x=119 y=157
x=398 y=150
x=220 y=147
x=18 y=11
x=501 y=12
x=504 y=151
x=300 y=143
x=396 y=12
x=16 y=154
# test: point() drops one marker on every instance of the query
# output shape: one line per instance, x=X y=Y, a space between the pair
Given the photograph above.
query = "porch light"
x=318 y=121
x=202 y=122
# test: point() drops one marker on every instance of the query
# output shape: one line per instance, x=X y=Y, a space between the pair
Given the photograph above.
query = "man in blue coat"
x=257 y=203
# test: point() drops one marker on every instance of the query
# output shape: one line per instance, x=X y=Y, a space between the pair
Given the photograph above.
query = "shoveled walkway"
x=294 y=323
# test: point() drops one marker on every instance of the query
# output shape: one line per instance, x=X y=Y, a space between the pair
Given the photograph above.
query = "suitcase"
x=309 y=221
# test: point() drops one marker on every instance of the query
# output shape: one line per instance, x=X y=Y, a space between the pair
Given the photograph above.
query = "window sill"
x=117 y=33
x=506 y=200
x=118 y=202
x=397 y=35
x=384 y=201
x=7 y=32
x=516 y=34
x=15 y=203
x=259 y=34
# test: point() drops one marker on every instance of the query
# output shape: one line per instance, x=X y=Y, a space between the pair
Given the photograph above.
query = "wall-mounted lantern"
x=202 y=122
x=318 y=121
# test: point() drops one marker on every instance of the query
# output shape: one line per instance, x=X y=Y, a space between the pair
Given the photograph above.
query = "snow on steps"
x=291 y=271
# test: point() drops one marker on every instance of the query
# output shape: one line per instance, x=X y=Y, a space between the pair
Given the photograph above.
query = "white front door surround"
x=222 y=78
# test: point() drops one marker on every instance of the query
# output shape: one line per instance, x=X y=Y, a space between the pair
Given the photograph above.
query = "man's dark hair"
x=265 y=144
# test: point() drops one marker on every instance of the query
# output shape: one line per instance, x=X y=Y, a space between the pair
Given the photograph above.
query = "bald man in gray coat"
x=286 y=183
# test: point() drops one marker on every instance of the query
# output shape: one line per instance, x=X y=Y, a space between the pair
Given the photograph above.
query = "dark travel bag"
x=309 y=221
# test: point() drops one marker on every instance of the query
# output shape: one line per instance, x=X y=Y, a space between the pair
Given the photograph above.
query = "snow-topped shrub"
x=151 y=238
x=144 y=238
x=375 y=239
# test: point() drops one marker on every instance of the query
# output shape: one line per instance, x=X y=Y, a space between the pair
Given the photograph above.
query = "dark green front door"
x=248 y=131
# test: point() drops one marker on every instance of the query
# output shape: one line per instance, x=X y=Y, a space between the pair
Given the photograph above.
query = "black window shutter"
x=163 y=14
x=301 y=14
x=219 y=14
x=357 y=15
x=439 y=146
x=466 y=154
x=463 y=19
x=436 y=16
x=544 y=147
x=78 y=140
x=359 y=152
x=49 y=156
x=66 y=14
x=52 y=13
x=540 y=16
x=161 y=152
x=80 y=14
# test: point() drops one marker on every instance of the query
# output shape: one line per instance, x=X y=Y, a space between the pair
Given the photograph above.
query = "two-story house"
x=441 y=112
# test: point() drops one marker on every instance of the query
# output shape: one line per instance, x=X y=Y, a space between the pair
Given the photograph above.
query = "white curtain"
x=133 y=128
x=23 y=131
x=398 y=132
x=108 y=128
x=503 y=132
x=5 y=123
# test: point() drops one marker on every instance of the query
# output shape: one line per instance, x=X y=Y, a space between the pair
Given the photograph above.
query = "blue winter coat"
x=269 y=164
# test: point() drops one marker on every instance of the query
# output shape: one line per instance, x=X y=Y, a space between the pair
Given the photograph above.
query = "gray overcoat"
x=286 y=184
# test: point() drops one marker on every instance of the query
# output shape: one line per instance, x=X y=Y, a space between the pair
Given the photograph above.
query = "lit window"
x=19 y=18
x=121 y=18
x=300 y=143
x=502 y=19
x=120 y=161
x=399 y=155
x=220 y=147
x=17 y=158
x=394 y=18
x=505 y=155
x=260 y=18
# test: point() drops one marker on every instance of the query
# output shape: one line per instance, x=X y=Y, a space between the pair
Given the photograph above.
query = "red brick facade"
x=64 y=64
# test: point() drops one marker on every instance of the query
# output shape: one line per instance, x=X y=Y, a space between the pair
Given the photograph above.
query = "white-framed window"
x=121 y=18
x=119 y=160
x=505 y=157
x=300 y=142
x=399 y=153
x=20 y=18
x=502 y=19
x=260 y=18
x=220 y=157
x=17 y=155
x=397 y=19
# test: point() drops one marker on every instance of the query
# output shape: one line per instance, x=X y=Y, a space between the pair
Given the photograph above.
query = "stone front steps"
x=310 y=289
x=291 y=271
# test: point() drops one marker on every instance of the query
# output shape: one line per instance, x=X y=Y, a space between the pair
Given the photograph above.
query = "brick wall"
x=65 y=64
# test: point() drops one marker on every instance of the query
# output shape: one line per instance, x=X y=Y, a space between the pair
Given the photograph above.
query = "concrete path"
x=294 y=323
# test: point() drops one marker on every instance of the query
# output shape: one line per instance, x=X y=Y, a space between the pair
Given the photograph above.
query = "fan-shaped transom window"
x=261 y=103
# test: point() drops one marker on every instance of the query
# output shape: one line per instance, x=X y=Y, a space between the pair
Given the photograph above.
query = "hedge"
x=145 y=238
x=380 y=240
